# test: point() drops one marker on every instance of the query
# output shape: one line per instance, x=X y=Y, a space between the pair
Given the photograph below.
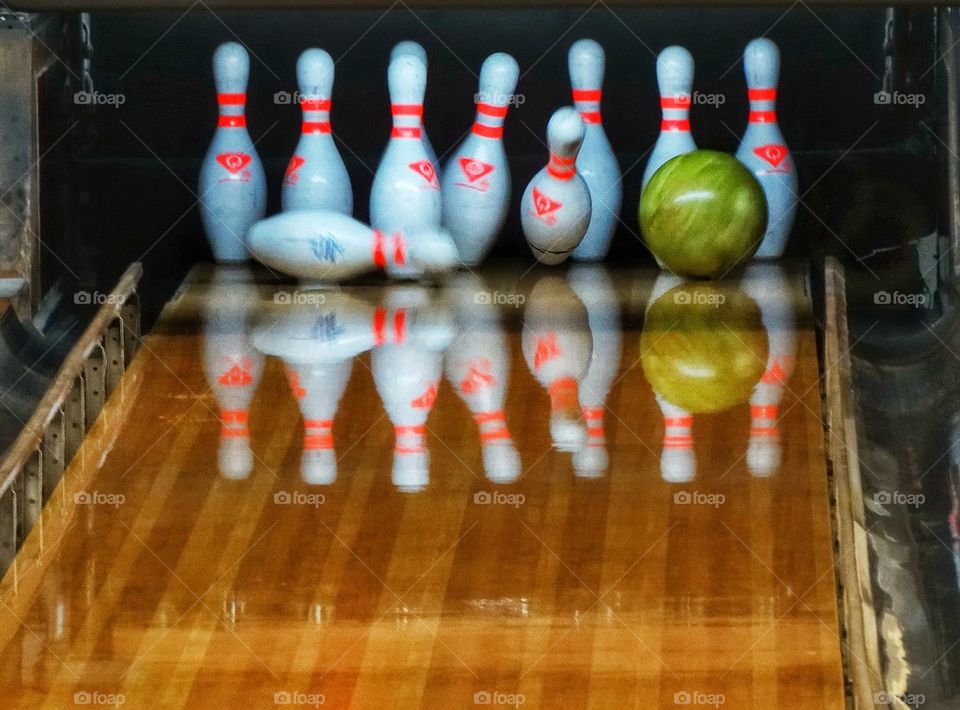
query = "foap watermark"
x=97 y=298
x=297 y=697
x=495 y=697
x=900 y=300
x=299 y=498
x=96 y=697
x=482 y=97
x=498 y=298
x=95 y=98
x=286 y=98
x=699 y=498
x=914 y=500
x=299 y=298
x=99 y=498
x=702 y=99
x=499 y=498
x=697 y=697
x=699 y=298
x=898 y=98
x=912 y=700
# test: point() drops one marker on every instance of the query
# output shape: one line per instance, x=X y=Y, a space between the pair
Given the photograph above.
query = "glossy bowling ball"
x=702 y=214
x=703 y=346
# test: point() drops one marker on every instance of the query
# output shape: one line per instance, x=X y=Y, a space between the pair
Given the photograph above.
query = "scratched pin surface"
x=154 y=576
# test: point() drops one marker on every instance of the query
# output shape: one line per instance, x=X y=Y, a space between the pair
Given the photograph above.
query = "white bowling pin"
x=233 y=187
x=675 y=80
x=555 y=209
x=763 y=149
x=477 y=364
x=475 y=184
x=407 y=377
x=417 y=50
x=596 y=162
x=232 y=365
x=594 y=287
x=557 y=347
x=405 y=195
x=329 y=246
x=678 y=462
x=335 y=326
x=316 y=178
x=318 y=388
x=767 y=285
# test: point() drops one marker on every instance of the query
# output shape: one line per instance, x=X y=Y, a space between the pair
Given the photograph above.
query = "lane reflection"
x=705 y=348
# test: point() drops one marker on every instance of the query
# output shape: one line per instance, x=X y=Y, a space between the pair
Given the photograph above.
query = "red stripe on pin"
x=677 y=421
x=763 y=411
x=762 y=117
x=406 y=109
x=399 y=250
x=405 y=132
x=675 y=102
x=483 y=417
x=497 y=435
x=561 y=173
x=399 y=325
x=232 y=122
x=674 y=125
x=315 y=127
x=315 y=104
x=488 y=131
x=415 y=430
x=379 y=256
x=762 y=94
x=318 y=423
x=590 y=116
x=379 y=325
x=586 y=94
x=493 y=111
x=231 y=99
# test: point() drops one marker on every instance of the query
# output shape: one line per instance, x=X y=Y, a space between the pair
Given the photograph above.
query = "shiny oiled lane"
x=216 y=542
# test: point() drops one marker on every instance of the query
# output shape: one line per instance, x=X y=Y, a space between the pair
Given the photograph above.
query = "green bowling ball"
x=703 y=346
x=702 y=214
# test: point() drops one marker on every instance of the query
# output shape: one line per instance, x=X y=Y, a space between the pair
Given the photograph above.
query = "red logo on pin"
x=773 y=154
x=475 y=171
x=424 y=168
x=291 y=177
x=545 y=206
x=233 y=162
x=547 y=349
x=426 y=400
x=478 y=378
x=238 y=375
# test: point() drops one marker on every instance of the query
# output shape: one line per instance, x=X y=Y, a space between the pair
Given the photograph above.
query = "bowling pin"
x=678 y=462
x=767 y=285
x=596 y=161
x=557 y=347
x=233 y=187
x=329 y=246
x=407 y=377
x=475 y=183
x=334 y=326
x=477 y=364
x=316 y=178
x=763 y=149
x=417 y=50
x=675 y=80
x=555 y=209
x=405 y=195
x=596 y=290
x=233 y=367
x=318 y=388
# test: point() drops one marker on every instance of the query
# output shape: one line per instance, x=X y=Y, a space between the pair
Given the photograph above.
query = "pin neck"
x=562 y=167
x=231 y=108
x=385 y=329
x=407 y=120
x=409 y=439
x=233 y=422
x=587 y=102
x=316 y=115
x=489 y=120
x=317 y=434
x=763 y=105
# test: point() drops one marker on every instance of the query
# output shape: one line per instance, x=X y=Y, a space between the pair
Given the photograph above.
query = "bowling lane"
x=563 y=488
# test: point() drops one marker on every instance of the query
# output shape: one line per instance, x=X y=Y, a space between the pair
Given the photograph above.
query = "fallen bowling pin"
x=233 y=186
x=596 y=162
x=316 y=178
x=555 y=209
x=327 y=246
x=475 y=185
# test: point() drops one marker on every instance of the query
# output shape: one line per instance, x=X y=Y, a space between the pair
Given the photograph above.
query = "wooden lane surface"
x=180 y=587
